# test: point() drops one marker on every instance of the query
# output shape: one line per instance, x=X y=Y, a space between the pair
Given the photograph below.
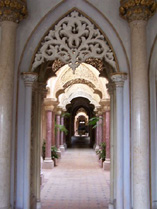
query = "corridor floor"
x=77 y=182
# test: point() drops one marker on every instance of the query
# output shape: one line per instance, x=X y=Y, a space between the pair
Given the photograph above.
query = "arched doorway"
x=107 y=68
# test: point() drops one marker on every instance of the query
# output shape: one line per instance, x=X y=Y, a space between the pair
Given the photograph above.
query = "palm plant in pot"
x=102 y=153
x=54 y=154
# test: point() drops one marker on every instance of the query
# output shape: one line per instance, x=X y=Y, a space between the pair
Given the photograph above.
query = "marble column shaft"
x=58 y=120
x=140 y=115
x=119 y=82
x=7 y=53
x=53 y=129
x=29 y=79
x=48 y=134
x=107 y=134
x=112 y=169
x=100 y=129
x=104 y=127
x=62 y=133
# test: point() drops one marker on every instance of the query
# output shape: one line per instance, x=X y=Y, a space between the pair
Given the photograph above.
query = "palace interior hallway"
x=77 y=182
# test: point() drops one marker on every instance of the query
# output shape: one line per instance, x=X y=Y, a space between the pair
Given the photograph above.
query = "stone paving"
x=77 y=182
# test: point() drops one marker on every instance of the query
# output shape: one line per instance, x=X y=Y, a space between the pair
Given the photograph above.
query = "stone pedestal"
x=48 y=163
x=62 y=148
x=106 y=164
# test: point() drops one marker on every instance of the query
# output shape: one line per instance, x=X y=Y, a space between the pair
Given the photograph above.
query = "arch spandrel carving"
x=82 y=73
x=73 y=40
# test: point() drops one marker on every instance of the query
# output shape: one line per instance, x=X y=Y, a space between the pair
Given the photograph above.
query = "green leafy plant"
x=61 y=128
x=54 y=152
x=93 y=121
x=66 y=115
x=102 y=151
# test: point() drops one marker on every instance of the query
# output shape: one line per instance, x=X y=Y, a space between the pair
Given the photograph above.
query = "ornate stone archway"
x=73 y=40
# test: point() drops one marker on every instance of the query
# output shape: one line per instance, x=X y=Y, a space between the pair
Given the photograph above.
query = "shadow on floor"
x=80 y=142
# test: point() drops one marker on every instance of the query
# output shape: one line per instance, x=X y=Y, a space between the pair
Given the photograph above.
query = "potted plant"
x=102 y=153
x=54 y=154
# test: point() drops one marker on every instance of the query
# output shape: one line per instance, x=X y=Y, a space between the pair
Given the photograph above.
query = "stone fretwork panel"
x=74 y=40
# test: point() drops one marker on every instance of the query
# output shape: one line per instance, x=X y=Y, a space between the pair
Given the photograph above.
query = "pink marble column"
x=107 y=134
x=100 y=139
x=104 y=127
x=97 y=136
x=106 y=164
x=48 y=163
x=48 y=134
x=53 y=129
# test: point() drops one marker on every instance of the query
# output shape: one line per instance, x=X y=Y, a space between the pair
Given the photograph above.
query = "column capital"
x=13 y=10
x=118 y=79
x=110 y=87
x=131 y=10
x=50 y=104
x=29 y=78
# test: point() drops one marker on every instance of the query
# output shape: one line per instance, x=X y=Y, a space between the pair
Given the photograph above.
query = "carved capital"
x=118 y=79
x=137 y=9
x=13 y=10
x=29 y=78
x=110 y=87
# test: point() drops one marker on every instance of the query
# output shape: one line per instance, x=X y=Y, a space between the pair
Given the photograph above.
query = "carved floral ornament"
x=74 y=40
x=137 y=9
x=13 y=10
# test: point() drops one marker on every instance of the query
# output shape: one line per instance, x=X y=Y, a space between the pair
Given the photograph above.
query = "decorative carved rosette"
x=118 y=79
x=137 y=9
x=13 y=10
x=29 y=78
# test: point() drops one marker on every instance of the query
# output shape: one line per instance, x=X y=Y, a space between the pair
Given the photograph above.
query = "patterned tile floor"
x=77 y=182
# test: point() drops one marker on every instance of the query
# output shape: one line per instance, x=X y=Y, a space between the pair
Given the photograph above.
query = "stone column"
x=53 y=129
x=9 y=22
x=41 y=91
x=106 y=164
x=58 y=133
x=29 y=79
x=137 y=15
x=100 y=128
x=111 y=87
x=119 y=79
x=62 y=134
x=97 y=136
x=48 y=162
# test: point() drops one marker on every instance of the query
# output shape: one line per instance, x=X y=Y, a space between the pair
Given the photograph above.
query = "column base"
x=65 y=146
x=111 y=206
x=59 y=153
x=41 y=178
x=48 y=163
x=97 y=148
x=38 y=205
x=106 y=164
x=62 y=148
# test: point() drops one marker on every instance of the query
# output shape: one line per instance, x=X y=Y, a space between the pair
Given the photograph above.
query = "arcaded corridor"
x=77 y=182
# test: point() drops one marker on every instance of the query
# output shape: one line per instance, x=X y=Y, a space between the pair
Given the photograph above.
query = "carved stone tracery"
x=137 y=9
x=73 y=40
x=77 y=81
x=13 y=10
